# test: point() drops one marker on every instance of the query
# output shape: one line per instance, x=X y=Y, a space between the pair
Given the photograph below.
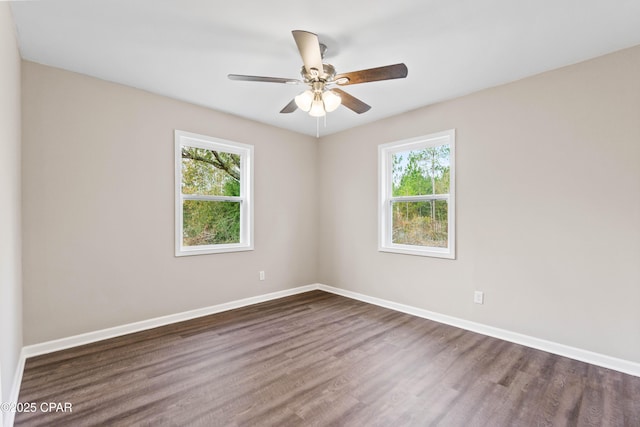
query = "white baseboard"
x=597 y=359
x=9 y=416
x=103 y=334
x=621 y=365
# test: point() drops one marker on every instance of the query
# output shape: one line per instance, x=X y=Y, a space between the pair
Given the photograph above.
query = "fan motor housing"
x=327 y=75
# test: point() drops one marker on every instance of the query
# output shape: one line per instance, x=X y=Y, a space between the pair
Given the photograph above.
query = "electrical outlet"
x=478 y=297
x=262 y=275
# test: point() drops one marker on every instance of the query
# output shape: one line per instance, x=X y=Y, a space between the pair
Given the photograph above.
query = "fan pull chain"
x=317 y=127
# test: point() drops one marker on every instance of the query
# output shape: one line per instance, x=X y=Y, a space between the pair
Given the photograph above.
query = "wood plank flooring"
x=318 y=359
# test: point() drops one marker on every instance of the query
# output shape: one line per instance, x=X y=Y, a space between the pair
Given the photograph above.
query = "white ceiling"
x=184 y=49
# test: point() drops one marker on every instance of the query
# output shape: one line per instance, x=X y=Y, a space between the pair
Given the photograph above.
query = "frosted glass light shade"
x=304 y=100
x=317 y=108
x=331 y=100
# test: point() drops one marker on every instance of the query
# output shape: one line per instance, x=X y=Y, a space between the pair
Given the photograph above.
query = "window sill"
x=418 y=250
x=206 y=250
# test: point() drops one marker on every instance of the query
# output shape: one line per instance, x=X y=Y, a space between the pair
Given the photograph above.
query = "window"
x=214 y=195
x=417 y=196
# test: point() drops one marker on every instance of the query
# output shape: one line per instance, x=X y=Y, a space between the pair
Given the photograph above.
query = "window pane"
x=421 y=172
x=209 y=172
x=420 y=223
x=210 y=222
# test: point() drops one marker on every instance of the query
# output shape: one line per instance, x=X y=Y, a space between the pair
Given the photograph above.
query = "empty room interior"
x=338 y=213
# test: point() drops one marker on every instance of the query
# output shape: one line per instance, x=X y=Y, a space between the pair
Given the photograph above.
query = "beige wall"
x=99 y=207
x=548 y=208
x=548 y=180
x=10 y=241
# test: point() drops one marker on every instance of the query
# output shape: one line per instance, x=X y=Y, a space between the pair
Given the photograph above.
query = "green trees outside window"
x=419 y=173
x=213 y=195
x=416 y=184
x=210 y=173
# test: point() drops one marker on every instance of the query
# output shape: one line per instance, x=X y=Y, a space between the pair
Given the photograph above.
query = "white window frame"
x=385 y=198
x=245 y=199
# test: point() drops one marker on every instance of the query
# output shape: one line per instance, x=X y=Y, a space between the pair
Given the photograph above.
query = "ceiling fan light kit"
x=331 y=100
x=317 y=107
x=320 y=98
x=318 y=101
x=304 y=100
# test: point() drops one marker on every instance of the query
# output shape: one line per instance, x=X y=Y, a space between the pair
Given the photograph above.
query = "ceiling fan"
x=321 y=96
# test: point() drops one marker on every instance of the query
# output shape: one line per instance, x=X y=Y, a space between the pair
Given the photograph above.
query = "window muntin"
x=213 y=195
x=417 y=204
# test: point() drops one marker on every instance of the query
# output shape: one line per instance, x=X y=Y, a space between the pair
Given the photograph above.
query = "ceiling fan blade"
x=309 y=48
x=396 y=71
x=351 y=102
x=244 y=78
x=290 y=107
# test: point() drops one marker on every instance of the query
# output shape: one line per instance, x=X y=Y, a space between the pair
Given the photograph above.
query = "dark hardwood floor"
x=321 y=359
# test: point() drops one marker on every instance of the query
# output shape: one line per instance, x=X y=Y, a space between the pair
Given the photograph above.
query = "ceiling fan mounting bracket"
x=323 y=50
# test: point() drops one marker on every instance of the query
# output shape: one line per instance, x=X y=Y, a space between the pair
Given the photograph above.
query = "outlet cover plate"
x=478 y=297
